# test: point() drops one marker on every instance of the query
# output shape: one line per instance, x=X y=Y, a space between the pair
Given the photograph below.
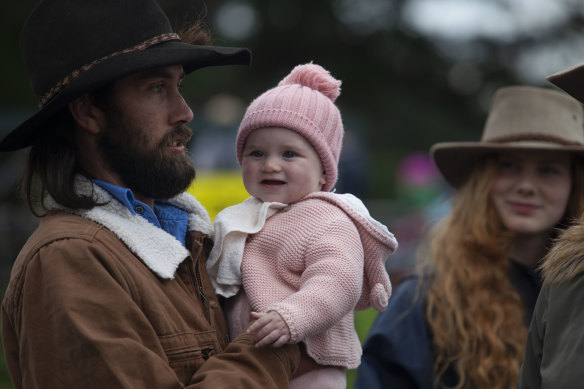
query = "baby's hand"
x=271 y=328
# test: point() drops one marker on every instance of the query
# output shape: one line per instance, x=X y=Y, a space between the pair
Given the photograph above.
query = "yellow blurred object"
x=218 y=189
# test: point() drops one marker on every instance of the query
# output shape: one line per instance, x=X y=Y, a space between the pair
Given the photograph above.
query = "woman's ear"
x=86 y=114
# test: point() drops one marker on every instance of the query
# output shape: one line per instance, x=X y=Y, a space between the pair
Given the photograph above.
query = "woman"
x=554 y=354
x=462 y=322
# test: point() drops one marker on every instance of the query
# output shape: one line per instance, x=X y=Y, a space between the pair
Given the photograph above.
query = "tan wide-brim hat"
x=521 y=117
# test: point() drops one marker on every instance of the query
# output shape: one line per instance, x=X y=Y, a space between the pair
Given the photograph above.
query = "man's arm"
x=75 y=318
x=248 y=367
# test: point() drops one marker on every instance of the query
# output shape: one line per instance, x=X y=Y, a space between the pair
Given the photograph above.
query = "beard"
x=144 y=169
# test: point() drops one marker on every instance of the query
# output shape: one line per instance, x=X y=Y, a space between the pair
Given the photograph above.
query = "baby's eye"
x=289 y=154
x=256 y=153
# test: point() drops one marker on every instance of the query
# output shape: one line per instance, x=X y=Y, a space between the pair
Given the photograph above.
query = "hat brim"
x=456 y=160
x=570 y=80
x=164 y=54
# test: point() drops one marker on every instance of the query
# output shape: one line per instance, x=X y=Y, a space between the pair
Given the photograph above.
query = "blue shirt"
x=168 y=217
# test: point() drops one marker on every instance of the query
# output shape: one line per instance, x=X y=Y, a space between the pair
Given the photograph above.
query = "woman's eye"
x=289 y=154
x=506 y=165
x=549 y=170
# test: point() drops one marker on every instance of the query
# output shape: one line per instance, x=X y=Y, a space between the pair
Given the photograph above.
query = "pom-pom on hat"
x=303 y=102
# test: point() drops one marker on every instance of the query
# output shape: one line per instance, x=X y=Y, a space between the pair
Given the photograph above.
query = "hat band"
x=533 y=137
x=77 y=72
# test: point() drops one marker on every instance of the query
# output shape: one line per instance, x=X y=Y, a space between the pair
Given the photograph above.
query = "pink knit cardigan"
x=314 y=262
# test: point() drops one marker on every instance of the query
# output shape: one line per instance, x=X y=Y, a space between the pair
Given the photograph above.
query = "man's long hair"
x=53 y=163
x=475 y=316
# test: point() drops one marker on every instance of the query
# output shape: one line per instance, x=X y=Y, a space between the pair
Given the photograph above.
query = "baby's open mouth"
x=272 y=182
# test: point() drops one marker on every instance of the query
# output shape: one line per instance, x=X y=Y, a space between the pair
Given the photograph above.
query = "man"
x=111 y=289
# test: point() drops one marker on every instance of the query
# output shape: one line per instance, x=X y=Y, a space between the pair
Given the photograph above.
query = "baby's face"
x=280 y=165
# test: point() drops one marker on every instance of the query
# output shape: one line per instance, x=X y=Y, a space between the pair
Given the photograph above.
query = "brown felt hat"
x=521 y=117
x=71 y=47
x=570 y=80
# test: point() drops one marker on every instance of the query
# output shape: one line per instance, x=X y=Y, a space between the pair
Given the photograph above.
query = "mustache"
x=182 y=132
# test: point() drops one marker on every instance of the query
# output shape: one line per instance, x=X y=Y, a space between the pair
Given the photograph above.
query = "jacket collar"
x=159 y=250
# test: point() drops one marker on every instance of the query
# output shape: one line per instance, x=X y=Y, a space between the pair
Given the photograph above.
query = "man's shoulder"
x=57 y=226
x=70 y=232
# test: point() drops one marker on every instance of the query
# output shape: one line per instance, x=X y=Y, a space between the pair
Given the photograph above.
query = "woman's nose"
x=526 y=184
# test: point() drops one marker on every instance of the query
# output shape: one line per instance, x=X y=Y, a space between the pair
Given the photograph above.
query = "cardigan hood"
x=159 y=250
x=378 y=244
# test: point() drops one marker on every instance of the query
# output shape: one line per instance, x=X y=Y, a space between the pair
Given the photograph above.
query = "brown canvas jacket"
x=82 y=310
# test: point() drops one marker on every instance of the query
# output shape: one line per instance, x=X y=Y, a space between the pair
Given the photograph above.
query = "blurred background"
x=414 y=72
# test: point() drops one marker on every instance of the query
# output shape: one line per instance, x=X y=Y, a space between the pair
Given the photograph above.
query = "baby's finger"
x=267 y=340
x=266 y=329
x=260 y=322
x=282 y=340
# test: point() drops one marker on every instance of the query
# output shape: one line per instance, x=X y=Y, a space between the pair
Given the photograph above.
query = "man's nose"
x=181 y=112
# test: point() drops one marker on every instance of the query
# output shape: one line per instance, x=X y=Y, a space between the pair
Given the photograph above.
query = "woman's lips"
x=523 y=208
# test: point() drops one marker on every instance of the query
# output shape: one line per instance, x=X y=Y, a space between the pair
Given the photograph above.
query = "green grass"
x=363 y=322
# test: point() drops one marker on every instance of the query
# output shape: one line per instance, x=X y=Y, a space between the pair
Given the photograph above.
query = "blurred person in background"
x=111 y=290
x=554 y=354
x=461 y=321
x=421 y=201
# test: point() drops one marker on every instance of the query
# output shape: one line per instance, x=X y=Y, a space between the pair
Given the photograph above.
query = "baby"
x=299 y=258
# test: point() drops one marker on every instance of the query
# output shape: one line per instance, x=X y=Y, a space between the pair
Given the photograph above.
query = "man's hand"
x=271 y=329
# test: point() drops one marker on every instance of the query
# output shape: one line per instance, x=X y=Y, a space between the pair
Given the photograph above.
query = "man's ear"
x=86 y=114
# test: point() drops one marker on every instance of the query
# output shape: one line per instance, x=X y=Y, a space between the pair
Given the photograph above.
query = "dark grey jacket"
x=554 y=355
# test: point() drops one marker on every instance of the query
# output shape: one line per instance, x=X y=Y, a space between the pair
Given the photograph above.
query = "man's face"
x=145 y=137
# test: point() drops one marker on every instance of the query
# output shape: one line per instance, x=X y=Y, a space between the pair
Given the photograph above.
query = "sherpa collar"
x=159 y=250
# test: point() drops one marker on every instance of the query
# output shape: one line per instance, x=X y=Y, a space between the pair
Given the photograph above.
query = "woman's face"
x=531 y=189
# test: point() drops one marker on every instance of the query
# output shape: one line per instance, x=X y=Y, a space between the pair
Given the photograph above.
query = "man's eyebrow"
x=160 y=73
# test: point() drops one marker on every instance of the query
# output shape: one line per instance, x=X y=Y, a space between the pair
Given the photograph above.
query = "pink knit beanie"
x=303 y=102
